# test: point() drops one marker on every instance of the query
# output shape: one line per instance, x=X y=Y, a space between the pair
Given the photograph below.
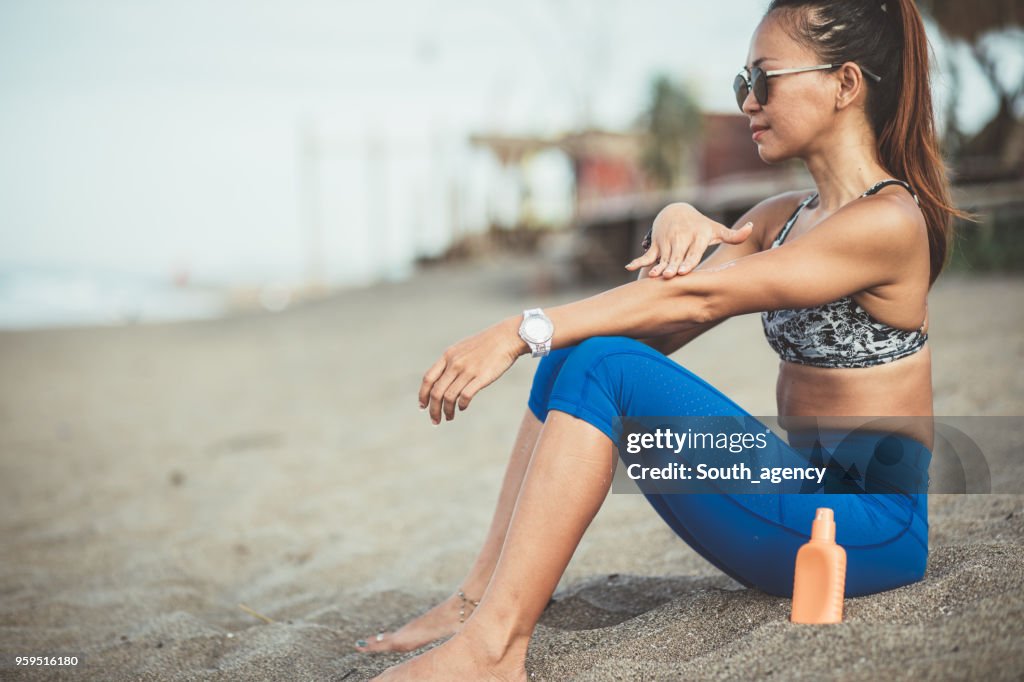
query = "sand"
x=153 y=478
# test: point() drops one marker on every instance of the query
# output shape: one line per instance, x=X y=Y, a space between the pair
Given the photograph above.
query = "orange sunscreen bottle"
x=820 y=577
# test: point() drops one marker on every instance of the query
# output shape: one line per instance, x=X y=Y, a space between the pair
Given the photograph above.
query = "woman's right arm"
x=765 y=216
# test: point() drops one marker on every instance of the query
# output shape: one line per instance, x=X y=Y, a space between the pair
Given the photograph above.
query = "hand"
x=680 y=236
x=468 y=366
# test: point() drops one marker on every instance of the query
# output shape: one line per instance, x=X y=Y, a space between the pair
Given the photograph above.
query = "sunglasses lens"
x=739 y=86
x=760 y=84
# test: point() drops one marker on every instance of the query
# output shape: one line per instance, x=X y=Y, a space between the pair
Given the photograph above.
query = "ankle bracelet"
x=462 y=608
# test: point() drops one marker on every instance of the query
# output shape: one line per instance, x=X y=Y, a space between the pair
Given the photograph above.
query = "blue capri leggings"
x=753 y=538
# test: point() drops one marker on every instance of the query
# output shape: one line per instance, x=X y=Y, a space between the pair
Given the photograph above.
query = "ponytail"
x=908 y=145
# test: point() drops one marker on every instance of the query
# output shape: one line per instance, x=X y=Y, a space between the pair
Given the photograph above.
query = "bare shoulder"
x=770 y=214
x=896 y=207
x=890 y=218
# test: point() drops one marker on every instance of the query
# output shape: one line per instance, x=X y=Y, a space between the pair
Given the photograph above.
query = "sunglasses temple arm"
x=875 y=76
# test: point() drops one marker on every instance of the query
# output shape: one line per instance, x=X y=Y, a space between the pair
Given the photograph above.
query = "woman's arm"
x=670 y=343
x=863 y=245
x=765 y=216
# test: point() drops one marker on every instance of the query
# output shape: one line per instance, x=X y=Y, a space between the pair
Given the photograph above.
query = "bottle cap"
x=824 y=526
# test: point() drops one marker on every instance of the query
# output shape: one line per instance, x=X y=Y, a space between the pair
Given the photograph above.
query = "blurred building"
x=614 y=200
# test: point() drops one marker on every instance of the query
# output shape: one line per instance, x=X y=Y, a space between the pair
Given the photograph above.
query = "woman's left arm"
x=863 y=245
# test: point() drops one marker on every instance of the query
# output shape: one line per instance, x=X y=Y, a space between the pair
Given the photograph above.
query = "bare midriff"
x=902 y=388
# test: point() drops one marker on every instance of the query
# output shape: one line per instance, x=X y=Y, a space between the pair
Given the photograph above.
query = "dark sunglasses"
x=758 y=80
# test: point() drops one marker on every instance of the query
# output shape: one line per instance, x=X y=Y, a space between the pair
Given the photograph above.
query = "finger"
x=659 y=267
x=675 y=258
x=452 y=395
x=438 y=391
x=673 y=267
x=694 y=254
x=736 y=236
x=429 y=379
x=469 y=392
x=649 y=256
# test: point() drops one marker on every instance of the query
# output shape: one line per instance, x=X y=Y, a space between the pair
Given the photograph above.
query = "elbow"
x=707 y=306
x=714 y=302
x=685 y=310
x=704 y=309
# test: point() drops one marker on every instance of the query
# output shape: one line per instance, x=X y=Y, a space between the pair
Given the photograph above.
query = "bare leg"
x=443 y=619
x=566 y=482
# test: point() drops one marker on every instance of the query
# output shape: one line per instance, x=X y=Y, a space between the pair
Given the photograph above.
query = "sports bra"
x=839 y=333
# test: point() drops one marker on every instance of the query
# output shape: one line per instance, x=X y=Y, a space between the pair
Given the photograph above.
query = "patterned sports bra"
x=840 y=333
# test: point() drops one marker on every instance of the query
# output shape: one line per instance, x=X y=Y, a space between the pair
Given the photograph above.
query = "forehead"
x=773 y=44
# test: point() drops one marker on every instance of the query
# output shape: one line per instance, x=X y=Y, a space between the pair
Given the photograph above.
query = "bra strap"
x=884 y=183
x=792 y=218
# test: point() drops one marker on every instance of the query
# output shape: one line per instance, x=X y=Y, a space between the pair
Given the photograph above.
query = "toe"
x=372 y=644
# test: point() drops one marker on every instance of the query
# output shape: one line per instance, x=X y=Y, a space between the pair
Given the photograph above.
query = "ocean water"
x=47 y=297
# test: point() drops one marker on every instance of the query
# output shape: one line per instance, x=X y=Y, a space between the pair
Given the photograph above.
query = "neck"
x=843 y=172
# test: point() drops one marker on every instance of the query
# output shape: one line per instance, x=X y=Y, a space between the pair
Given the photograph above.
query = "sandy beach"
x=154 y=478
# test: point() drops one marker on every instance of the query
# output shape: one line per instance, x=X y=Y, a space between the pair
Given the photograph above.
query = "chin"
x=771 y=154
x=770 y=157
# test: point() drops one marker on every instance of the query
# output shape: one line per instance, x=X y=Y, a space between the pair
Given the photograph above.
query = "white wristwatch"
x=536 y=330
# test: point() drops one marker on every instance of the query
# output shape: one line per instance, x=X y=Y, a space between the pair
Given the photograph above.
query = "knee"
x=584 y=354
x=605 y=356
x=596 y=348
x=544 y=377
x=572 y=362
x=548 y=368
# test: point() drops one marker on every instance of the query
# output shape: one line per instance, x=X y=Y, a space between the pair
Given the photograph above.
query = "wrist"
x=678 y=208
x=675 y=206
x=510 y=329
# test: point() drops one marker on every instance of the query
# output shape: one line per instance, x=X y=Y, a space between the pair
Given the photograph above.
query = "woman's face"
x=800 y=106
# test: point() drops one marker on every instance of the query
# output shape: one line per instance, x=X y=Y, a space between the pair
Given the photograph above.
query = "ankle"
x=494 y=646
x=466 y=605
x=475 y=583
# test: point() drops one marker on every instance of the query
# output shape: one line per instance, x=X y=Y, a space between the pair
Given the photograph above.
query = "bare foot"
x=440 y=621
x=459 y=659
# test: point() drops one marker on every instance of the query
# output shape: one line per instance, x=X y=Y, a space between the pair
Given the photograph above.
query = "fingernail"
x=361 y=642
x=422 y=407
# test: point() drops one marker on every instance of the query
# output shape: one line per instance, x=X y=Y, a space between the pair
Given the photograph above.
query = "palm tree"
x=673 y=123
x=969 y=22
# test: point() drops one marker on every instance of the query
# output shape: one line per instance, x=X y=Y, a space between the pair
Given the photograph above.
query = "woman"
x=842 y=286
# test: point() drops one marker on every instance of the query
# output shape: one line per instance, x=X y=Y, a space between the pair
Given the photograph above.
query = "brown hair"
x=888 y=38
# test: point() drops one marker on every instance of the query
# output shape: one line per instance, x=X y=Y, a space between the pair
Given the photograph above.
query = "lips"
x=758 y=131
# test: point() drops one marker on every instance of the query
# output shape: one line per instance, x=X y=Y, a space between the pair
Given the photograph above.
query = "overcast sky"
x=159 y=135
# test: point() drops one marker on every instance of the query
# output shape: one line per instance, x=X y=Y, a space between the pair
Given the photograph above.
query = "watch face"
x=537 y=329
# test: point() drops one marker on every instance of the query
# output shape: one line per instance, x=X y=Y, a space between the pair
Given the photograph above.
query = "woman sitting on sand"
x=841 y=276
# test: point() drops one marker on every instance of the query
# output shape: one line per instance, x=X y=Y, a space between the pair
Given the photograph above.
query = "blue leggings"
x=753 y=538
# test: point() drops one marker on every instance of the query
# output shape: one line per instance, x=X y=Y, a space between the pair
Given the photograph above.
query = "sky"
x=168 y=137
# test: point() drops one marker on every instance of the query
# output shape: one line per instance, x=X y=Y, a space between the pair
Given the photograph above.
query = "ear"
x=851 y=84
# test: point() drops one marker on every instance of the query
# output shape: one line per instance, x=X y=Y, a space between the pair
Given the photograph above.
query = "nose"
x=750 y=104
